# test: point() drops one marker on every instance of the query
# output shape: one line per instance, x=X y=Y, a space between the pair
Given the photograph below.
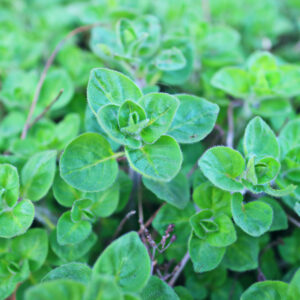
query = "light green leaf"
x=160 y=109
x=127 y=260
x=110 y=87
x=260 y=140
x=266 y=290
x=88 y=163
x=103 y=287
x=55 y=81
x=72 y=252
x=176 y=192
x=266 y=169
x=159 y=161
x=132 y=118
x=33 y=245
x=64 y=193
x=243 y=254
x=207 y=196
x=203 y=223
x=12 y=124
x=126 y=34
x=61 y=289
x=233 y=81
x=75 y=271
x=69 y=232
x=225 y=235
x=294 y=287
x=289 y=137
x=107 y=117
x=280 y=221
x=9 y=185
x=38 y=174
x=204 y=256
x=255 y=217
x=170 y=60
x=194 y=119
x=158 y=290
x=105 y=202
x=222 y=166
x=16 y=220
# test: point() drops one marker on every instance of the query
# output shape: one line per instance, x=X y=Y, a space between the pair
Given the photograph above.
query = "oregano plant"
x=149 y=150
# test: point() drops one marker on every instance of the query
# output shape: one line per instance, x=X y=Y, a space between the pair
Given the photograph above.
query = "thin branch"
x=230 y=133
x=140 y=201
x=293 y=221
x=45 y=70
x=206 y=10
x=149 y=221
x=47 y=108
x=180 y=268
x=120 y=227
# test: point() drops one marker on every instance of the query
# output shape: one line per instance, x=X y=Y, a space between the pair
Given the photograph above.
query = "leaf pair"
x=225 y=167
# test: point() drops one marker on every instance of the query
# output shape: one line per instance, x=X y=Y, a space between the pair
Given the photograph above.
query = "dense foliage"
x=149 y=150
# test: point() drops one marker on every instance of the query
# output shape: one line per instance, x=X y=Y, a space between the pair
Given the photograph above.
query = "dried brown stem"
x=121 y=225
x=179 y=269
x=45 y=70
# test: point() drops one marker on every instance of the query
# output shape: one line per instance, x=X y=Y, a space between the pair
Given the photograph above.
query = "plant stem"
x=45 y=70
x=206 y=10
x=230 y=134
x=293 y=221
x=180 y=266
x=149 y=221
x=47 y=108
x=120 y=227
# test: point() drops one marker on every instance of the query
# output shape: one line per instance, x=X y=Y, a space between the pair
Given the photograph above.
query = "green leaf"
x=194 y=119
x=105 y=202
x=289 y=250
x=225 y=235
x=266 y=290
x=255 y=217
x=110 y=87
x=55 y=81
x=170 y=60
x=279 y=192
x=222 y=166
x=176 y=192
x=233 y=81
x=280 y=221
x=75 y=271
x=88 y=163
x=61 y=289
x=12 y=124
x=204 y=256
x=16 y=220
x=64 y=193
x=207 y=196
x=107 y=117
x=126 y=34
x=127 y=260
x=9 y=185
x=80 y=210
x=69 y=253
x=289 y=137
x=160 y=109
x=266 y=169
x=260 y=140
x=294 y=287
x=203 y=223
x=33 y=245
x=103 y=287
x=38 y=174
x=132 y=118
x=159 y=161
x=159 y=290
x=243 y=254
x=69 y=232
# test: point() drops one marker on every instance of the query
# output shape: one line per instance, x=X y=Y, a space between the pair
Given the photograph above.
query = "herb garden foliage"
x=159 y=158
